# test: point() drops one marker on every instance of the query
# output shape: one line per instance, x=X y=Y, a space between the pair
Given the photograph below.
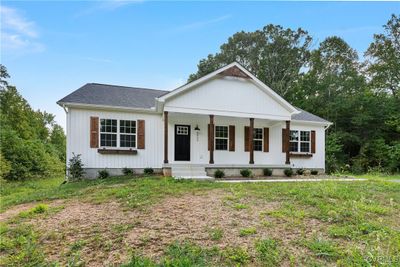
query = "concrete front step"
x=189 y=172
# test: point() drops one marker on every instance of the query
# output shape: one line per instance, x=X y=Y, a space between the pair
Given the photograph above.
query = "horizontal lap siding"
x=79 y=140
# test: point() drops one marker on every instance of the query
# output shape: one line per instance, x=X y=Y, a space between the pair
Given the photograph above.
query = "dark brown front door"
x=182 y=142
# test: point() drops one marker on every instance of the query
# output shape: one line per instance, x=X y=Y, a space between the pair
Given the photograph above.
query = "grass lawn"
x=158 y=221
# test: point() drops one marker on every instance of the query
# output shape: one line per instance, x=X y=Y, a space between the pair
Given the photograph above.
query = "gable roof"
x=307 y=116
x=233 y=69
x=113 y=95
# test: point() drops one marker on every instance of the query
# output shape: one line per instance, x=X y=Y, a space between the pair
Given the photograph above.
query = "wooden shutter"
x=94 y=132
x=266 y=139
x=246 y=138
x=284 y=141
x=231 y=137
x=141 y=134
x=312 y=141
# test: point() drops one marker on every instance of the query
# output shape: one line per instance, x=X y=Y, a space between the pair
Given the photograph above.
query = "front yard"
x=159 y=221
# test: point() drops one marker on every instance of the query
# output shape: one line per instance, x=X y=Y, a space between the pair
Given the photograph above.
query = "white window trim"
x=262 y=139
x=225 y=138
x=299 y=142
x=118 y=133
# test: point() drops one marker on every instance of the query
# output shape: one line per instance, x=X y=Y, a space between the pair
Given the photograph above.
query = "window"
x=258 y=139
x=112 y=133
x=300 y=141
x=221 y=137
x=127 y=131
x=108 y=132
x=182 y=130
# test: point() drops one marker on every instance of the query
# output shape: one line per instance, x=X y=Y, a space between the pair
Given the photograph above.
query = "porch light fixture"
x=197 y=129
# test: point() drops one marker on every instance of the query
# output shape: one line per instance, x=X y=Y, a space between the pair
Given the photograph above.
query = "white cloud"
x=18 y=34
x=200 y=24
x=110 y=5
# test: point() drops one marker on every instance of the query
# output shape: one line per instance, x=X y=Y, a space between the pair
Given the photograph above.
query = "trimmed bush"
x=288 y=172
x=300 y=171
x=314 y=172
x=103 y=174
x=267 y=172
x=127 y=172
x=219 y=174
x=148 y=171
x=245 y=173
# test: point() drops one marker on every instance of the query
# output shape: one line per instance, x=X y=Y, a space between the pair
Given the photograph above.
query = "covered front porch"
x=195 y=145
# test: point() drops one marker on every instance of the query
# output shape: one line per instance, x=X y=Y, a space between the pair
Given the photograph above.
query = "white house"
x=226 y=120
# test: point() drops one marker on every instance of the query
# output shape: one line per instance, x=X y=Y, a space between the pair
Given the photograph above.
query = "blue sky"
x=53 y=48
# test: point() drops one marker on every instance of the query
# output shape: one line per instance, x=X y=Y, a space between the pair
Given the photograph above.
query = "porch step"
x=189 y=172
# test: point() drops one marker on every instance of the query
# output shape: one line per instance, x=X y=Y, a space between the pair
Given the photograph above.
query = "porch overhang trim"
x=226 y=113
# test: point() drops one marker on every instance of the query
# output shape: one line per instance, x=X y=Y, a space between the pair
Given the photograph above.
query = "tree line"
x=360 y=97
x=32 y=144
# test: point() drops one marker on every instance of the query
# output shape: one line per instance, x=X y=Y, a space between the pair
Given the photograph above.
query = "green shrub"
x=216 y=234
x=245 y=173
x=28 y=158
x=148 y=171
x=75 y=168
x=127 y=172
x=288 y=172
x=314 y=172
x=300 y=171
x=103 y=174
x=267 y=172
x=219 y=174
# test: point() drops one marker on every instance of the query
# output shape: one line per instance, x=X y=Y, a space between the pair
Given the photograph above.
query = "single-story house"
x=227 y=120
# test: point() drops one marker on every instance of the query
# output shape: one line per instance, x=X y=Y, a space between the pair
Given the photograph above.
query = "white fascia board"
x=226 y=113
x=316 y=123
x=106 y=107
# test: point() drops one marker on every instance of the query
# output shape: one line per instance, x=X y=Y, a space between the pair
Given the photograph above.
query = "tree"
x=3 y=76
x=274 y=54
x=383 y=58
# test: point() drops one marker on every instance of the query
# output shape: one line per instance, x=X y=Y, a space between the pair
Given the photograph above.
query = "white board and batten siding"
x=227 y=96
x=78 y=140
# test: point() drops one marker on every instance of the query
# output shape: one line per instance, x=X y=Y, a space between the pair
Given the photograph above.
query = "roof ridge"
x=113 y=85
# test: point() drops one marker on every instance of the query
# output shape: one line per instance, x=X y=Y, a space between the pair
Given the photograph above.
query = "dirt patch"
x=104 y=234
x=15 y=210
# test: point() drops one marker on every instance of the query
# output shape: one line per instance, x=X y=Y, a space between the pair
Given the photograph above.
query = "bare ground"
x=106 y=233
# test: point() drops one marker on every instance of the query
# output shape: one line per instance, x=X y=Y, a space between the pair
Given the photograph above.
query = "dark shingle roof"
x=307 y=116
x=133 y=97
x=113 y=95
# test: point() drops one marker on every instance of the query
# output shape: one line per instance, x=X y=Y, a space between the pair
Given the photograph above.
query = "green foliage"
x=216 y=234
x=75 y=168
x=5 y=167
x=267 y=172
x=323 y=248
x=274 y=54
x=288 y=172
x=219 y=174
x=31 y=144
x=300 y=171
x=247 y=231
x=103 y=174
x=148 y=171
x=268 y=252
x=245 y=173
x=127 y=172
x=237 y=255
